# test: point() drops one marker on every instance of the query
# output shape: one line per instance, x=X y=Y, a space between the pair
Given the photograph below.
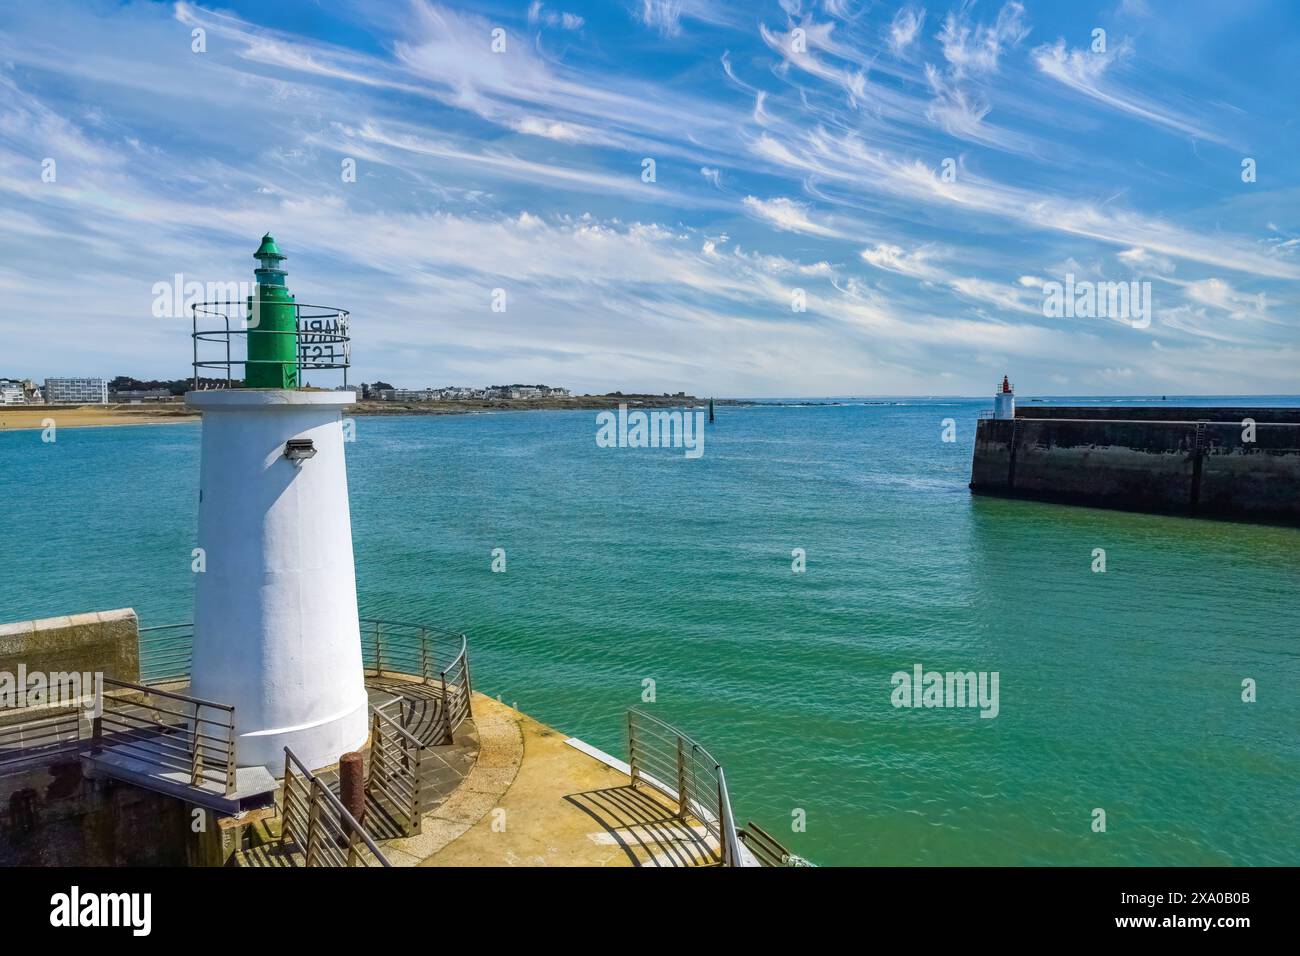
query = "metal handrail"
x=396 y=762
x=202 y=746
x=169 y=647
x=306 y=338
x=656 y=749
x=392 y=647
x=415 y=650
x=731 y=842
x=310 y=825
x=405 y=735
x=766 y=849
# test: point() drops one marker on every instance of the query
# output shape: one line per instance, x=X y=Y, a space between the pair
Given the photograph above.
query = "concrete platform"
x=254 y=786
x=510 y=791
x=532 y=799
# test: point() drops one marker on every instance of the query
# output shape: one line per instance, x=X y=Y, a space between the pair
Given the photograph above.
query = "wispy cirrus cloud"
x=791 y=216
x=1085 y=72
x=662 y=15
x=915 y=172
x=539 y=13
x=929 y=263
x=847 y=160
x=905 y=27
x=975 y=48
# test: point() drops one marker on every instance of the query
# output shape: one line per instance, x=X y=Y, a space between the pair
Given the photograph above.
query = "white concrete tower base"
x=275 y=610
x=1004 y=405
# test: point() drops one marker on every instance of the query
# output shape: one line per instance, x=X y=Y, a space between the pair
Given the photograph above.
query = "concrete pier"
x=1233 y=463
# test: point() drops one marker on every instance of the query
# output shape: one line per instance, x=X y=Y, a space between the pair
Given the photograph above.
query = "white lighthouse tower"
x=1004 y=400
x=275 y=608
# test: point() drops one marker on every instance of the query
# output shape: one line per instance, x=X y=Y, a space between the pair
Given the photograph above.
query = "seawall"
x=1191 y=461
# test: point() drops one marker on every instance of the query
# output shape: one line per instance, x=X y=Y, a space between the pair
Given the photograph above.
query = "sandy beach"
x=15 y=417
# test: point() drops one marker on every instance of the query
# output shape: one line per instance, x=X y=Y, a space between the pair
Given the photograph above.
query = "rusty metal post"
x=352 y=784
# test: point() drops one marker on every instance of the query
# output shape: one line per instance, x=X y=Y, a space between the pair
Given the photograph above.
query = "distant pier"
x=1232 y=463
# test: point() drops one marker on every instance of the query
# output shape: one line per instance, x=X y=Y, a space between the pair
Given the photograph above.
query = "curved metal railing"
x=321 y=333
x=435 y=655
x=664 y=758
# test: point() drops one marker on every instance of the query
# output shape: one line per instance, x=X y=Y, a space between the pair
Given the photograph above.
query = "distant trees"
x=176 y=386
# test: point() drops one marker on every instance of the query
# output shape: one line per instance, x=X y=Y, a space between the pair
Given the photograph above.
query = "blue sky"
x=783 y=160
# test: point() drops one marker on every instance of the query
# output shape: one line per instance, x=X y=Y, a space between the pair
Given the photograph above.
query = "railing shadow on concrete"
x=647 y=827
x=666 y=760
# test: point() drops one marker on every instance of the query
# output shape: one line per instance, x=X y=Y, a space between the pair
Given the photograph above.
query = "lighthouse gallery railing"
x=321 y=334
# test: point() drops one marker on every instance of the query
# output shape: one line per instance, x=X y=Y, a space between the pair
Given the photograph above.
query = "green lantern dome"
x=272 y=336
x=268 y=249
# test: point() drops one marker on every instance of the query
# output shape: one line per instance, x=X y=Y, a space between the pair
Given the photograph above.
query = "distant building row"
x=95 y=391
x=453 y=393
x=62 y=391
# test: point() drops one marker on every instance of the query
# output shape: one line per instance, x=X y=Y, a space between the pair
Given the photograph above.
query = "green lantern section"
x=272 y=324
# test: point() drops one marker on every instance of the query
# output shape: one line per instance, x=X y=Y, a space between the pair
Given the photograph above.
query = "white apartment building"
x=76 y=391
x=11 y=392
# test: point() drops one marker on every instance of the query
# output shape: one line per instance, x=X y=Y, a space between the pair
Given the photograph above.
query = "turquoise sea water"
x=1119 y=691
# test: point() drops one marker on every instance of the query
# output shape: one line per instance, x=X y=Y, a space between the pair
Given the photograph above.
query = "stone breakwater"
x=1233 y=463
